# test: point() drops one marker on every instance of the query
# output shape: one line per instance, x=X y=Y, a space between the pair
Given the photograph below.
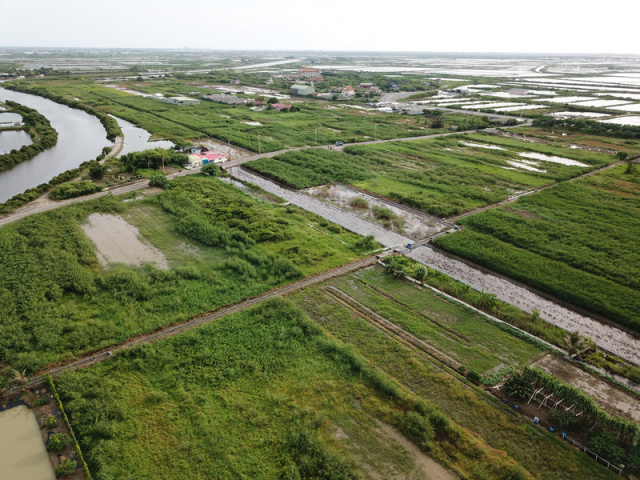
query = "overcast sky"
x=558 y=26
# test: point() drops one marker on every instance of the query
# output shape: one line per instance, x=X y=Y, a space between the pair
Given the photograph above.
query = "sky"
x=558 y=26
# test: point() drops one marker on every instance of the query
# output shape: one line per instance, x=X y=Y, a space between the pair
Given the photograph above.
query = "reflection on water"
x=81 y=137
x=11 y=139
x=22 y=453
x=137 y=139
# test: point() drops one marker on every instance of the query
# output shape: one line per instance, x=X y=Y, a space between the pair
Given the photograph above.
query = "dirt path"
x=205 y=318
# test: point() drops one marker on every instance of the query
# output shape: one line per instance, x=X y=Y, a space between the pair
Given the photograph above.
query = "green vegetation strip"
x=442 y=176
x=576 y=241
x=54 y=391
x=42 y=133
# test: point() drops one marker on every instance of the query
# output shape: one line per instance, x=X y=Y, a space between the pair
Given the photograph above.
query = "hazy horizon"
x=499 y=27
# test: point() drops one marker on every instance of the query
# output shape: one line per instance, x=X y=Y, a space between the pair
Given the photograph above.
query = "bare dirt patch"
x=611 y=398
x=426 y=467
x=117 y=241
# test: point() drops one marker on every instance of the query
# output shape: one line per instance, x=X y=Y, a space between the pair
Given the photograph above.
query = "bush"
x=73 y=189
x=65 y=467
x=359 y=202
x=475 y=377
x=58 y=441
x=49 y=422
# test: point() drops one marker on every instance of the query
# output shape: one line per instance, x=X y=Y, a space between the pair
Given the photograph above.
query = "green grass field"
x=441 y=176
x=315 y=124
x=222 y=246
x=496 y=424
x=576 y=241
x=260 y=394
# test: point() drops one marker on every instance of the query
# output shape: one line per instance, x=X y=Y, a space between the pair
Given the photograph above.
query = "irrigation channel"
x=608 y=337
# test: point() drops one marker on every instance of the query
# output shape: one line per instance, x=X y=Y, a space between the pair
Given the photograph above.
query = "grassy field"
x=496 y=424
x=313 y=124
x=222 y=246
x=467 y=337
x=441 y=176
x=576 y=241
x=261 y=394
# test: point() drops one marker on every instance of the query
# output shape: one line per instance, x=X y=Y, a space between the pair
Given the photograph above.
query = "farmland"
x=468 y=407
x=267 y=393
x=442 y=176
x=313 y=124
x=221 y=246
x=574 y=241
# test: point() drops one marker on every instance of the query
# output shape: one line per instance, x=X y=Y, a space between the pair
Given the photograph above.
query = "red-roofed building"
x=280 y=106
x=199 y=159
x=348 y=91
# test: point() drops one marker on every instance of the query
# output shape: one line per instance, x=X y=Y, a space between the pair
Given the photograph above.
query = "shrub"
x=359 y=202
x=73 y=189
x=50 y=422
x=65 y=467
x=475 y=377
x=383 y=213
x=58 y=441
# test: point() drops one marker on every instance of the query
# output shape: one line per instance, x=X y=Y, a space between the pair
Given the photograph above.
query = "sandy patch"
x=612 y=399
x=427 y=467
x=117 y=241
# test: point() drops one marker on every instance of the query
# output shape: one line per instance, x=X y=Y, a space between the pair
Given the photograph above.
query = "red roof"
x=348 y=88
x=209 y=156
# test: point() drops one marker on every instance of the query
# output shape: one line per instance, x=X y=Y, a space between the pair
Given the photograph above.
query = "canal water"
x=81 y=137
x=22 y=452
x=137 y=139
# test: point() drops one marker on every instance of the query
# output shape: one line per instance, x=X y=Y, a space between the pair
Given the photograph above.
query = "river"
x=81 y=137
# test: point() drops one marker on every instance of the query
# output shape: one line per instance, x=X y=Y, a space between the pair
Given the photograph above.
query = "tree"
x=96 y=171
x=518 y=387
x=157 y=179
x=20 y=378
x=577 y=345
x=622 y=155
x=210 y=170
x=420 y=273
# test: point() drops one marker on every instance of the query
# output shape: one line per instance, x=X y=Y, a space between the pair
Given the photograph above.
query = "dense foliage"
x=154 y=158
x=57 y=302
x=40 y=130
x=576 y=241
x=74 y=189
x=590 y=127
x=258 y=395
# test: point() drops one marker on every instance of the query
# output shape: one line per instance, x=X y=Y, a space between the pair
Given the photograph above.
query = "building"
x=280 y=106
x=302 y=90
x=348 y=91
x=199 y=159
x=366 y=85
x=309 y=72
x=181 y=101
x=235 y=81
x=227 y=99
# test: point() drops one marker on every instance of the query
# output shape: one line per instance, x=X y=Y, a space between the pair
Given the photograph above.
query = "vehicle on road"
x=339 y=143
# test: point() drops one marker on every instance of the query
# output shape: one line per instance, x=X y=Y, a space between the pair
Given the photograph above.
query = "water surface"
x=81 y=137
x=11 y=139
x=22 y=452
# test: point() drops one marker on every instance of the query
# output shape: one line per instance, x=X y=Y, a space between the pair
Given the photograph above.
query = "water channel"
x=137 y=139
x=81 y=137
x=22 y=452
x=606 y=336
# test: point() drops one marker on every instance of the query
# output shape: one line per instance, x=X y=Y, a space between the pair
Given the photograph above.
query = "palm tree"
x=577 y=345
x=420 y=273
x=20 y=378
x=487 y=301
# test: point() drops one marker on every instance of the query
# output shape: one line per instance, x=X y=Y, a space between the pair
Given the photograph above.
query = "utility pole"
x=259 y=144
